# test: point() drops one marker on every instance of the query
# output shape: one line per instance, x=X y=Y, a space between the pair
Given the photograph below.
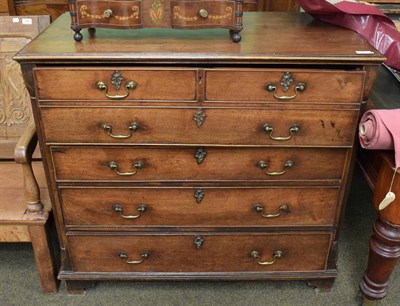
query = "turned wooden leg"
x=78 y=287
x=43 y=251
x=384 y=252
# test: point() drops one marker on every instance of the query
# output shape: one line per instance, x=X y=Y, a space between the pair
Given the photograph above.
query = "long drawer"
x=103 y=83
x=201 y=252
x=81 y=163
x=219 y=126
x=201 y=206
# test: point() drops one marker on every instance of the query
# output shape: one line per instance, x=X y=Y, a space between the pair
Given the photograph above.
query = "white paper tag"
x=15 y=20
x=364 y=52
x=389 y=198
x=26 y=21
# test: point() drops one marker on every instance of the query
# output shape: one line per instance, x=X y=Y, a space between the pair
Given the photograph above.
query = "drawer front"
x=196 y=164
x=267 y=85
x=220 y=126
x=202 y=207
x=113 y=84
x=198 y=14
x=199 y=252
x=109 y=13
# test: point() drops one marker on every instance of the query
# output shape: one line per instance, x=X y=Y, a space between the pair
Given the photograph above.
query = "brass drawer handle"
x=292 y=131
x=120 y=210
x=107 y=13
x=114 y=166
x=129 y=86
x=300 y=87
x=264 y=165
x=276 y=255
x=203 y=13
x=282 y=209
x=286 y=82
x=132 y=128
x=124 y=256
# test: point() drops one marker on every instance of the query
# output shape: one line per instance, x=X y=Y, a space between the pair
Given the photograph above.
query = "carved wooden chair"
x=25 y=208
x=24 y=201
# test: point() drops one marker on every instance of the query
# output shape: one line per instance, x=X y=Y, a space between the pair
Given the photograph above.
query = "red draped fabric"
x=378 y=29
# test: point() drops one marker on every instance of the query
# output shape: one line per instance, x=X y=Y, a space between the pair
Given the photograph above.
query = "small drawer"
x=81 y=163
x=115 y=84
x=113 y=14
x=268 y=85
x=198 y=14
x=188 y=126
x=199 y=207
x=198 y=252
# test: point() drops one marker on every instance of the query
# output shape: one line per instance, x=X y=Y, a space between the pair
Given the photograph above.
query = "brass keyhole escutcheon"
x=200 y=155
x=198 y=242
x=203 y=13
x=199 y=195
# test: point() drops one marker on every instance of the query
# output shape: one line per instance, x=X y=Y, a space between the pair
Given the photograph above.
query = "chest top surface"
x=267 y=38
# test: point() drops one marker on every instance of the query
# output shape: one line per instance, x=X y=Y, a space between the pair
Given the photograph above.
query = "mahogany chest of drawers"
x=179 y=158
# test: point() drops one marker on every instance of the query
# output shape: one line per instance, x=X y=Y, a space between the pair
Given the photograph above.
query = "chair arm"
x=23 y=155
x=26 y=145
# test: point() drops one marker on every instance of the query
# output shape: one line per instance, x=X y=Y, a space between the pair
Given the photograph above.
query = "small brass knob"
x=203 y=13
x=139 y=164
x=134 y=126
x=107 y=13
x=262 y=164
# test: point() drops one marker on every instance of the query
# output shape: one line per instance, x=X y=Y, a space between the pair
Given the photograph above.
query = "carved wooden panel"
x=14 y=98
x=15 y=110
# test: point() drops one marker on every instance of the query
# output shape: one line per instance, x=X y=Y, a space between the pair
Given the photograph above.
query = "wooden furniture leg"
x=44 y=258
x=384 y=249
x=78 y=287
x=383 y=255
x=322 y=285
